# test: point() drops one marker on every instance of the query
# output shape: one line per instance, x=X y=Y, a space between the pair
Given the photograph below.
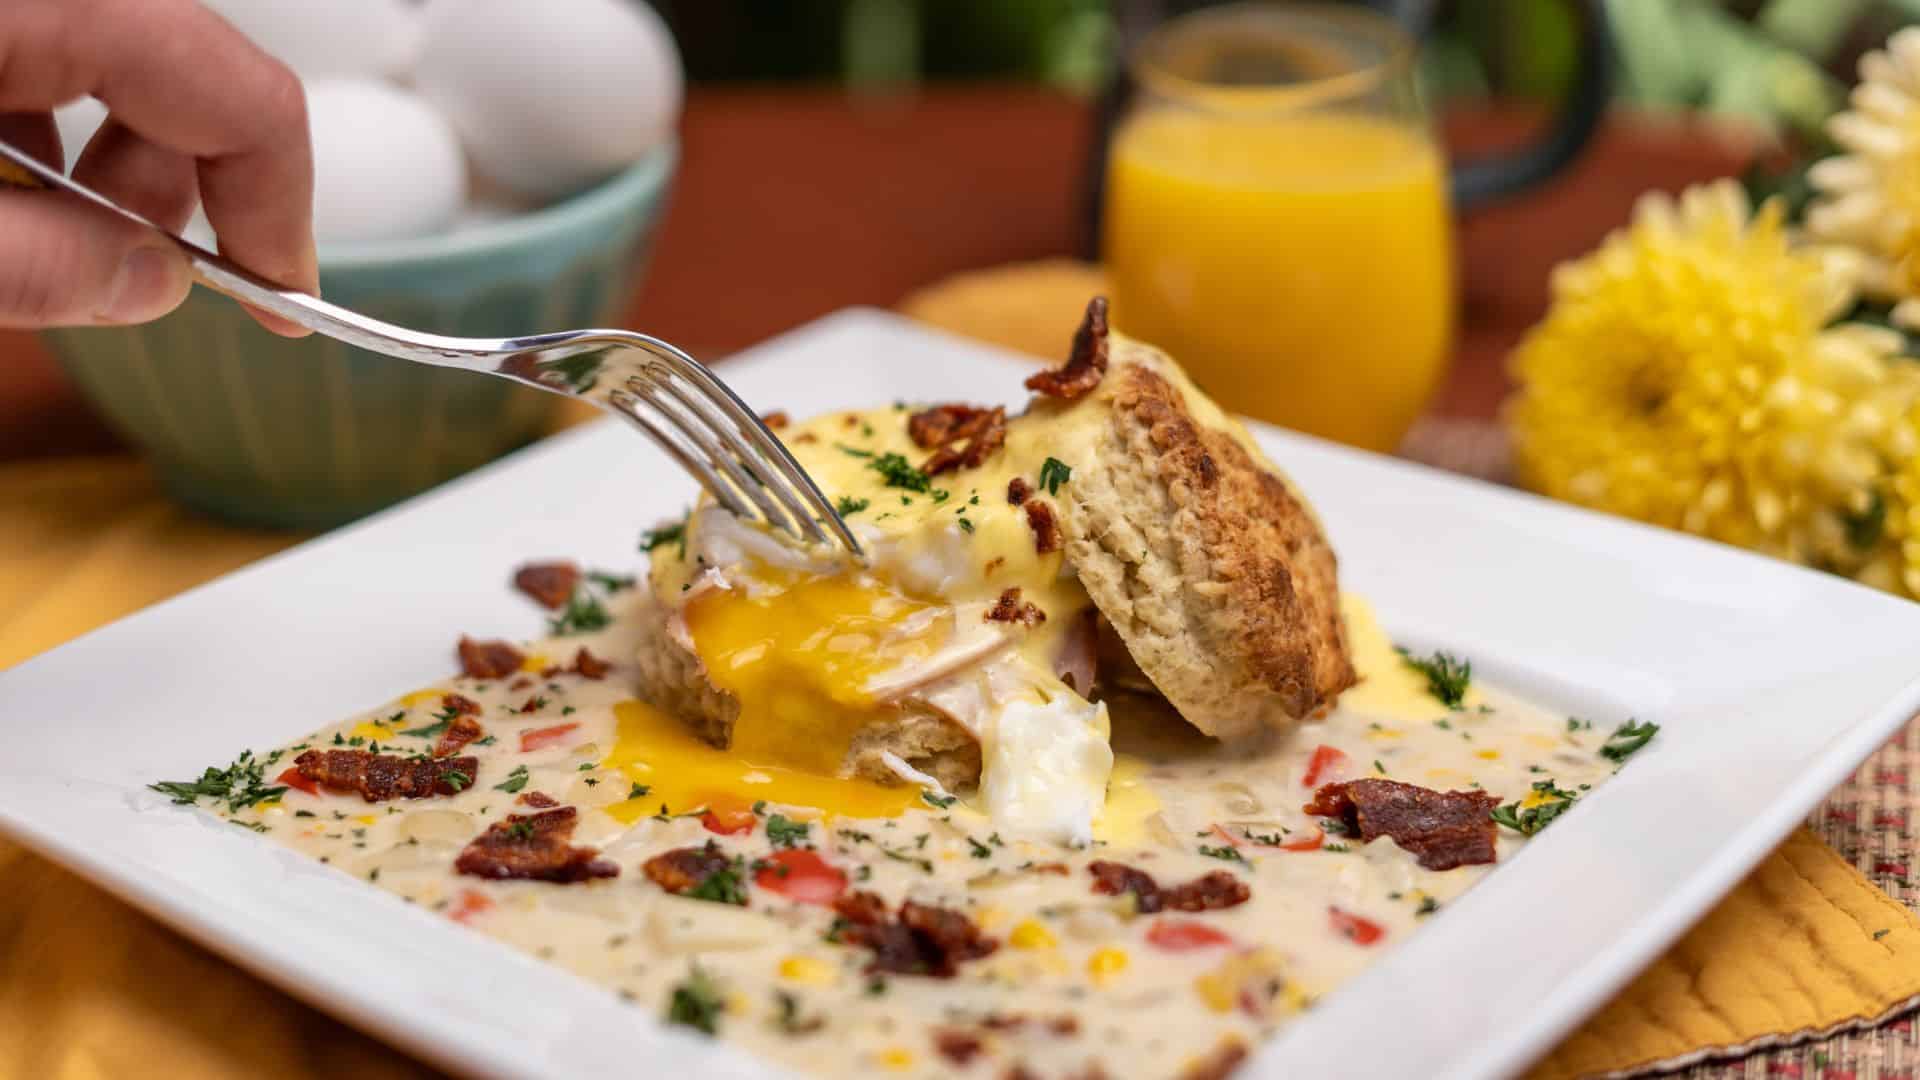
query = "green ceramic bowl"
x=262 y=430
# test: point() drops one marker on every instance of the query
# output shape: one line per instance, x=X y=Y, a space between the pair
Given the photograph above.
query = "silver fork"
x=671 y=397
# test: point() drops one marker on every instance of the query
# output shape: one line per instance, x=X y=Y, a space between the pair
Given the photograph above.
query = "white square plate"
x=1770 y=683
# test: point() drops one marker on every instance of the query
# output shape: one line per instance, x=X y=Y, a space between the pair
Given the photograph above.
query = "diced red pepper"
x=1325 y=759
x=1307 y=843
x=295 y=779
x=540 y=738
x=1232 y=840
x=802 y=875
x=470 y=906
x=729 y=816
x=1183 y=935
x=1355 y=928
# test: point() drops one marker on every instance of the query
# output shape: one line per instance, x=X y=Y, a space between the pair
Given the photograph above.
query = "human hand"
x=196 y=112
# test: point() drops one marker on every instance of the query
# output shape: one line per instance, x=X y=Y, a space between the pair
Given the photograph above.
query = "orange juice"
x=1300 y=267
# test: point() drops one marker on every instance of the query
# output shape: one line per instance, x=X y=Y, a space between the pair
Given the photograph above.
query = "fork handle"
x=24 y=172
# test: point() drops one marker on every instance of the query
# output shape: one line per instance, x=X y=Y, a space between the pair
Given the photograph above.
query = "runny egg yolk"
x=682 y=773
x=799 y=654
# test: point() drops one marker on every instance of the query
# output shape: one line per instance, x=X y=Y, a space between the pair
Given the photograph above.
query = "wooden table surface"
x=793 y=202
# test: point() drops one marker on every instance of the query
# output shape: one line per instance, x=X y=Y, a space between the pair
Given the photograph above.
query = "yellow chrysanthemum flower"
x=1687 y=375
x=1869 y=201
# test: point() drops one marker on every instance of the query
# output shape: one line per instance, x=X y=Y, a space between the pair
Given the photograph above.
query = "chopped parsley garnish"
x=789 y=1019
x=1335 y=847
x=724 y=886
x=1053 y=473
x=965 y=525
x=847 y=505
x=784 y=832
x=456 y=780
x=612 y=583
x=1627 y=738
x=1379 y=768
x=442 y=720
x=583 y=614
x=1225 y=851
x=1448 y=676
x=241 y=784
x=675 y=533
x=852 y=451
x=521 y=830
x=939 y=801
x=696 y=1002
x=639 y=791
x=1428 y=905
x=515 y=780
x=1527 y=820
x=898 y=472
x=1574 y=723
x=978 y=849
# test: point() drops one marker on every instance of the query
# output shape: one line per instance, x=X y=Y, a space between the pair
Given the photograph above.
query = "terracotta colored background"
x=791 y=203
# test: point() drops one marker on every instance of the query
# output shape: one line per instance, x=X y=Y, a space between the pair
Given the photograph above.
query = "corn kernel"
x=896 y=1057
x=535 y=664
x=1487 y=755
x=366 y=819
x=1031 y=934
x=421 y=697
x=1217 y=990
x=808 y=969
x=1380 y=734
x=989 y=917
x=1107 y=963
x=372 y=730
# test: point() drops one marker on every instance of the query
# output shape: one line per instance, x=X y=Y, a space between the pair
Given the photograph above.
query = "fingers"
x=64 y=263
x=152 y=181
x=181 y=78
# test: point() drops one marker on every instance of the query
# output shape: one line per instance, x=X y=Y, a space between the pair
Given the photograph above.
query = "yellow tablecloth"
x=91 y=988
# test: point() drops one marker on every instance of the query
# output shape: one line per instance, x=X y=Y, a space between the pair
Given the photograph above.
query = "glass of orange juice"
x=1277 y=217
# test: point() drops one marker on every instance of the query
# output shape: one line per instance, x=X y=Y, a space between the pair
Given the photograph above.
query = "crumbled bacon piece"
x=520 y=683
x=1442 y=829
x=922 y=940
x=960 y=436
x=1059 y=868
x=1009 y=609
x=957 y=1045
x=776 y=419
x=1208 y=892
x=531 y=705
x=379 y=777
x=534 y=847
x=684 y=869
x=539 y=800
x=588 y=666
x=1046 y=531
x=459 y=705
x=488 y=659
x=462 y=730
x=1086 y=365
x=550 y=584
x=1219 y=1063
x=1017 y=490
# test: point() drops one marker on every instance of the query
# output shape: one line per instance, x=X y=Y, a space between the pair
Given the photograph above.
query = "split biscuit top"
x=1209 y=565
x=1001 y=550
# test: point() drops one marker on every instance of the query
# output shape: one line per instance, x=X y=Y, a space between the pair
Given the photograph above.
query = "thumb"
x=63 y=263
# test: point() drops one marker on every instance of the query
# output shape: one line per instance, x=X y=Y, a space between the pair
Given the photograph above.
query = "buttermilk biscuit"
x=1210 y=567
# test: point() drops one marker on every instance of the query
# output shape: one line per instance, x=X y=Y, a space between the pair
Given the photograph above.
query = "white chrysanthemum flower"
x=1869 y=197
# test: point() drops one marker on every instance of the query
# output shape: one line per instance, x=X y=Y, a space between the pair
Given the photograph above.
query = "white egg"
x=325 y=38
x=386 y=164
x=550 y=97
x=77 y=121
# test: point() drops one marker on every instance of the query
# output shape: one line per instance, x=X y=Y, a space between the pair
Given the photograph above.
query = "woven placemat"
x=1866 y=820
